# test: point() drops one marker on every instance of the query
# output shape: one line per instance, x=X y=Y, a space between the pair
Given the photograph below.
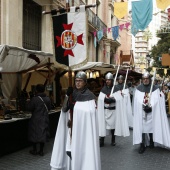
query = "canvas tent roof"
x=131 y=74
x=15 y=59
x=103 y=67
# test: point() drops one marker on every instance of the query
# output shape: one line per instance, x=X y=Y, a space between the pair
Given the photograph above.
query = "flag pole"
x=66 y=9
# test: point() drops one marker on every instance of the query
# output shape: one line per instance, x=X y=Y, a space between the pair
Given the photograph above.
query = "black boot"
x=151 y=140
x=41 y=152
x=142 y=148
x=34 y=150
x=69 y=154
x=142 y=145
x=113 y=138
x=101 y=141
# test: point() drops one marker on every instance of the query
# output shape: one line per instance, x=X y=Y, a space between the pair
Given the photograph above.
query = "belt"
x=110 y=108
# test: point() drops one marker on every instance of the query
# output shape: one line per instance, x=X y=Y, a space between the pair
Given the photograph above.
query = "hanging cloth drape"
x=120 y=9
x=141 y=15
x=162 y=4
x=99 y=35
x=115 y=32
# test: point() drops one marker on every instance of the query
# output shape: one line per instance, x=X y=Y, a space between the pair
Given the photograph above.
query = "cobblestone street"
x=123 y=156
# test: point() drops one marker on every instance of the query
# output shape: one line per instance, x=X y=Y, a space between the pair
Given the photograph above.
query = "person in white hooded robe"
x=150 y=124
x=80 y=150
x=111 y=112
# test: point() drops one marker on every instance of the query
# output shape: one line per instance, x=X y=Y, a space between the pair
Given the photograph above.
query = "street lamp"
x=148 y=58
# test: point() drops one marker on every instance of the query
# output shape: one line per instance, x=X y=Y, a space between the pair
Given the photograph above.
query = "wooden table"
x=13 y=133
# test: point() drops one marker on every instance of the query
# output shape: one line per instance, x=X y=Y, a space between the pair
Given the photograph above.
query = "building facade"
x=23 y=25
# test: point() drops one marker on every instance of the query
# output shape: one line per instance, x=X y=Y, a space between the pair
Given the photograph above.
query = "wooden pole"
x=28 y=79
x=67 y=9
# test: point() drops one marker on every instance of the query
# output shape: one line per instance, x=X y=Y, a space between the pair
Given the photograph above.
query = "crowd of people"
x=86 y=119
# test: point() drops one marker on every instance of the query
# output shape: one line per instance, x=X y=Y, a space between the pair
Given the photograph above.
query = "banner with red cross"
x=70 y=34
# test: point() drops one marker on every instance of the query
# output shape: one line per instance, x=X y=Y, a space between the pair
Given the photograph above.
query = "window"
x=32 y=13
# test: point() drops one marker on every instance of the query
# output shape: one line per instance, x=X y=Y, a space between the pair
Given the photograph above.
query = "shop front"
x=19 y=73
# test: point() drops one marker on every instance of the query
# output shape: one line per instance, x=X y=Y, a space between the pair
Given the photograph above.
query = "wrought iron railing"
x=95 y=21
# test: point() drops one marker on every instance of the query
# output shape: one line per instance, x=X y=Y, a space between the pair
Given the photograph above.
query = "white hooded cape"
x=121 y=122
x=128 y=105
x=84 y=144
x=59 y=159
x=161 y=132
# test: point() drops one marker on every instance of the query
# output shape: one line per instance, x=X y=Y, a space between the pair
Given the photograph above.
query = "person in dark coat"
x=38 y=130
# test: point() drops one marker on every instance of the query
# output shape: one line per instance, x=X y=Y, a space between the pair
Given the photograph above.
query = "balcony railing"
x=96 y=22
x=140 y=46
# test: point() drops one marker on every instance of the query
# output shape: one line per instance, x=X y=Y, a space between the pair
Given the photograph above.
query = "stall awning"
x=15 y=59
x=131 y=74
x=103 y=67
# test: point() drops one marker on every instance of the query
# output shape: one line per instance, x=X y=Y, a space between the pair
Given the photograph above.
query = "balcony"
x=141 y=45
x=95 y=21
x=140 y=41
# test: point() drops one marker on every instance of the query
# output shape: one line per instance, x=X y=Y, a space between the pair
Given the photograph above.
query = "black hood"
x=146 y=88
x=83 y=95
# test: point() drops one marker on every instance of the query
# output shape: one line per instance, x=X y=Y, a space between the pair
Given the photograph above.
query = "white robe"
x=158 y=124
x=118 y=116
x=59 y=159
x=128 y=105
x=84 y=145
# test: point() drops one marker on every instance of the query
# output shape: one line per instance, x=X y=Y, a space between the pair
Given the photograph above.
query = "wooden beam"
x=28 y=79
x=67 y=9
x=35 y=67
x=40 y=73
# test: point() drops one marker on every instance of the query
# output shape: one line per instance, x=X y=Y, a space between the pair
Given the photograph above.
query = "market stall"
x=14 y=63
x=14 y=131
x=100 y=66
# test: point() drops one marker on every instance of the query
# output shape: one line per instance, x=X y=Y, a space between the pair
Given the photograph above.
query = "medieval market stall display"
x=20 y=71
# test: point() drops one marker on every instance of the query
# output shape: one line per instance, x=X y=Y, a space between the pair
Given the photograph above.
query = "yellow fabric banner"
x=162 y=4
x=120 y=9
